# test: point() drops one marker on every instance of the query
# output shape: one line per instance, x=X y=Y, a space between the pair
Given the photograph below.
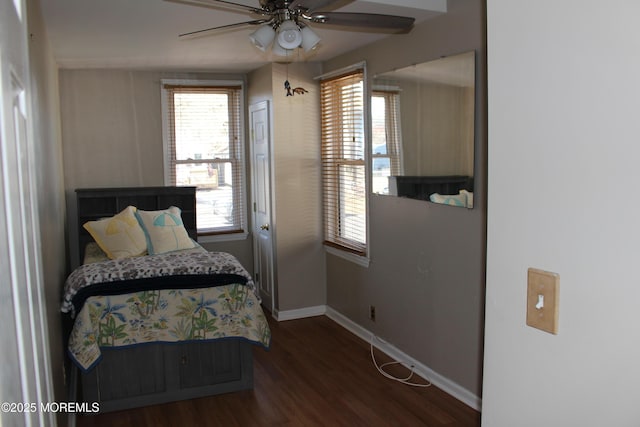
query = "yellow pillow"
x=119 y=236
x=164 y=230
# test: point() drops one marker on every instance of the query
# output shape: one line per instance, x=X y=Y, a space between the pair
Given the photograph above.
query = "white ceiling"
x=143 y=34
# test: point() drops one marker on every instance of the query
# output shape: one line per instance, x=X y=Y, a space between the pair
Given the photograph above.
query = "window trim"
x=362 y=259
x=209 y=236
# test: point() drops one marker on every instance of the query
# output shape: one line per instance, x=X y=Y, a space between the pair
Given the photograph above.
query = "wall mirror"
x=422 y=119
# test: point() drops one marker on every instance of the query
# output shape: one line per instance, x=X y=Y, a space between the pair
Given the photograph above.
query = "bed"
x=177 y=322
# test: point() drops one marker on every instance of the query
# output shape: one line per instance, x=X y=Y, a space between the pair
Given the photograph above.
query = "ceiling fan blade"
x=363 y=20
x=223 y=27
x=214 y=4
x=310 y=5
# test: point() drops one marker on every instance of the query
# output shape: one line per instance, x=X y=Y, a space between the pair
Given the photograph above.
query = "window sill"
x=362 y=261
x=213 y=238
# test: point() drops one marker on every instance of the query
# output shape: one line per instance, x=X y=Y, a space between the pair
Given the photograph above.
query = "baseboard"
x=436 y=379
x=300 y=313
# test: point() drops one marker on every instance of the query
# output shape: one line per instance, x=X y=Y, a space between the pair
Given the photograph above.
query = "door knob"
x=264 y=227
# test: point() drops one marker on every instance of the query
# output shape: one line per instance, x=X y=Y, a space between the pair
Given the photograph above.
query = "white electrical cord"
x=384 y=373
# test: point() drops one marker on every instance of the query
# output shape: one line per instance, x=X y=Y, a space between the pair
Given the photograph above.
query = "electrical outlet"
x=543 y=293
x=372 y=312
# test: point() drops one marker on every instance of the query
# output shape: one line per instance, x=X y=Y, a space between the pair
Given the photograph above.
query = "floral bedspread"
x=196 y=266
x=166 y=316
x=179 y=296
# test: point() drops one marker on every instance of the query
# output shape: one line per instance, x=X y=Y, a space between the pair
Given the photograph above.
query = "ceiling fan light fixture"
x=289 y=35
x=283 y=23
x=263 y=37
x=280 y=51
x=310 y=39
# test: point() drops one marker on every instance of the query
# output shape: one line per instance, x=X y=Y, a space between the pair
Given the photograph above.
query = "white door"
x=24 y=371
x=261 y=185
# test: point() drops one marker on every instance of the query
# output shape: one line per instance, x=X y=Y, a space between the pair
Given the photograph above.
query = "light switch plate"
x=543 y=292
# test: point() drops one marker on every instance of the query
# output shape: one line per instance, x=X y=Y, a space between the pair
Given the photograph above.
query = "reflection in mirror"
x=422 y=121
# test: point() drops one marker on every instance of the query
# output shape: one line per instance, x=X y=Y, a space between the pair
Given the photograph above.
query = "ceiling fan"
x=285 y=23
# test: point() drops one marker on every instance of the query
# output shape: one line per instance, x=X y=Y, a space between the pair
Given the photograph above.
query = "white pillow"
x=469 y=198
x=119 y=236
x=449 y=199
x=164 y=230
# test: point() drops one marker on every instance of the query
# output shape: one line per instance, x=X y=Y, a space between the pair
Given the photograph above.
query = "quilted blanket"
x=193 y=268
x=223 y=312
x=119 y=303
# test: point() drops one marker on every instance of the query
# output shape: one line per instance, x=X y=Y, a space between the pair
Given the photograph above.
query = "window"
x=343 y=162
x=386 y=139
x=204 y=148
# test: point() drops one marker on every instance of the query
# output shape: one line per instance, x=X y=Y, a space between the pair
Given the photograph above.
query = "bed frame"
x=164 y=372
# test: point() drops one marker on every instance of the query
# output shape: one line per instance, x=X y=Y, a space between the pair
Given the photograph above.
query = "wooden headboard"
x=96 y=203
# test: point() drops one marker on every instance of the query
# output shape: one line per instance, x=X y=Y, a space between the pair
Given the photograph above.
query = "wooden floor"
x=316 y=373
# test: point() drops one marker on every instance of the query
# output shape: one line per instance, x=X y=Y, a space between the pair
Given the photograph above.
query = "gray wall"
x=426 y=276
x=297 y=204
x=576 y=119
x=437 y=125
x=50 y=190
x=112 y=136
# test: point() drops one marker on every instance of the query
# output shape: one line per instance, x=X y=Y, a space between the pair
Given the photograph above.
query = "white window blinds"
x=386 y=139
x=343 y=162
x=204 y=149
